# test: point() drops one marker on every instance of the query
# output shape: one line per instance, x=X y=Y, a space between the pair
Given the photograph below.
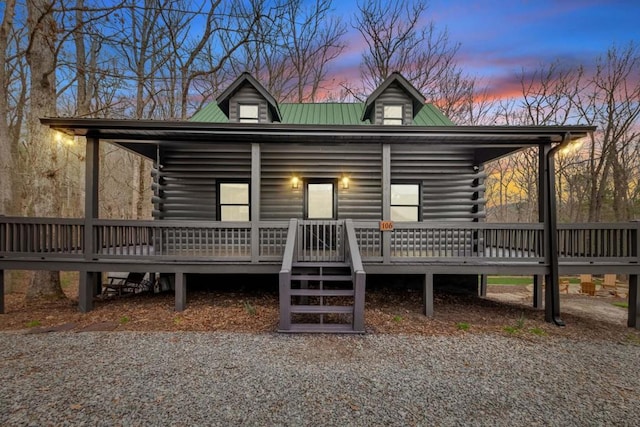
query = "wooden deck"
x=425 y=248
x=587 y=248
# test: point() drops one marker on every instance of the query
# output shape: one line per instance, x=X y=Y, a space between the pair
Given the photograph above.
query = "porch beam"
x=386 y=201
x=428 y=295
x=181 y=291
x=633 y=319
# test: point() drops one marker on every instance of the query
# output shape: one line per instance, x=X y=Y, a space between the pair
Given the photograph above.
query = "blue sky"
x=500 y=37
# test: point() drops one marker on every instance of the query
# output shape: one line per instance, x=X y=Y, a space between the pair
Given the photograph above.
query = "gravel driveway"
x=120 y=378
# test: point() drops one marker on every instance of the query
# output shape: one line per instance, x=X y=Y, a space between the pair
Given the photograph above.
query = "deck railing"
x=418 y=241
x=124 y=239
x=320 y=240
x=599 y=242
x=41 y=237
x=316 y=241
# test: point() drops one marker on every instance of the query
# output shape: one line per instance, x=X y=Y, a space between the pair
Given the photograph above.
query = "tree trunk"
x=42 y=63
x=6 y=184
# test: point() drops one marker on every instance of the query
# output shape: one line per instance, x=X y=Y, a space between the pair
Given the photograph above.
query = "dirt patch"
x=507 y=310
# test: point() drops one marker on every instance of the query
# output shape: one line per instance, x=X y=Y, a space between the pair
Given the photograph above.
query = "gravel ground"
x=188 y=378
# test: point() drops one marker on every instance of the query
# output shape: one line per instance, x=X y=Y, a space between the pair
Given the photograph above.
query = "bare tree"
x=6 y=154
x=399 y=37
x=610 y=99
x=290 y=48
x=45 y=186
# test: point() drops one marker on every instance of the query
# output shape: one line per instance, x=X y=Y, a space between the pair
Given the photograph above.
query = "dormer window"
x=248 y=113
x=392 y=115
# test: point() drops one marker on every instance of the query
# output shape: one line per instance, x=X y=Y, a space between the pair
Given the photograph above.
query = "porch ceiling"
x=142 y=136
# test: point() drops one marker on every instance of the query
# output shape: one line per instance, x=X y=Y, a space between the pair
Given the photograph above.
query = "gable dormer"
x=394 y=102
x=247 y=101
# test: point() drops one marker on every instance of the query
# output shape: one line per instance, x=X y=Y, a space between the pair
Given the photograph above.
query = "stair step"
x=312 y=328
x=321 y=264
x=322 y=292
x=322 y=309
x=326 y=278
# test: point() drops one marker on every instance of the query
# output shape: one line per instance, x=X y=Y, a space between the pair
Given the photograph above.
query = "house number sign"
x=386 y=225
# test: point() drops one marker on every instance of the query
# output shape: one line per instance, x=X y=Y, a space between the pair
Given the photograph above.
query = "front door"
x=320 y=200
x=320 y=238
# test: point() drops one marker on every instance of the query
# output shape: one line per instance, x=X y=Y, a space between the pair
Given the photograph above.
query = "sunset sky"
x=500 y=37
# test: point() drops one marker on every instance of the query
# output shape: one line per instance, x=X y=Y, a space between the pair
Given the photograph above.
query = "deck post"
x=255 y=202
x=284 y=279
x=91 y=185
x=428 y=294
x=86 y=289
x=537 y=290
x=633 y=319
x=181 y=291
x=1 y=291
x=386 y=202
x=483 y=285
x=358 y=302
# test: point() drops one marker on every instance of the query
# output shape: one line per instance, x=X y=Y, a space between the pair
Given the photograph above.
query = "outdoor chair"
x=587 y=286
x=609 y=283
x=131 y=284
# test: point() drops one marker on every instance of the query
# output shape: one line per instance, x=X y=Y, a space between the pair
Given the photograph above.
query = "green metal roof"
x=430 y=115
x=329 y=113
x=210 y=113
x=322 y=114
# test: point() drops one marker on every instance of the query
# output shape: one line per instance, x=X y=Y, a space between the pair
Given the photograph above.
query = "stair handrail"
x=290 y=246
x=352 y=246
x=285 y=275
x=358 y=274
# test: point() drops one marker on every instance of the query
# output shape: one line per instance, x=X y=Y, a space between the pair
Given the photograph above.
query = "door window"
x=320 y=200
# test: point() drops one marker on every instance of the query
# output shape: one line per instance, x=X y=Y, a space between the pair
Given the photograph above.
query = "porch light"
x=572 y=147
x=295 y=183
x=62 y=139
x=345 y=182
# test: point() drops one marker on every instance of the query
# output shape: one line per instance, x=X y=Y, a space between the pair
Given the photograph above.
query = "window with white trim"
x=233 y=201
x=405 y=202
x=248 y=113
x=392 y=115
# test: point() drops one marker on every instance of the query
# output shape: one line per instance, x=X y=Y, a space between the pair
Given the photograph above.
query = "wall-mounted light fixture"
x=345 y=182
x=295 y=183
x=572 y=147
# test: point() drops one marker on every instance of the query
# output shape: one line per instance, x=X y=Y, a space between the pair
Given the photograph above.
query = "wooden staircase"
x=325 y=296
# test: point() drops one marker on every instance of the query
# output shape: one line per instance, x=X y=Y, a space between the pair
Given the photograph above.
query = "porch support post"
x=537 y=290
x=181 y=291
x=483 y=285
x=91 y=185
x=88 y=285
x=386 y=201
x=86 y=289
x=255 y=202
x=428 y=294
x=358 y=303
x=633 y=319
x=1 y=291
x=552 y=289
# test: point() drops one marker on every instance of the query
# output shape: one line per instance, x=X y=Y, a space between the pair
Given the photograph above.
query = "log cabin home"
x=322 y=195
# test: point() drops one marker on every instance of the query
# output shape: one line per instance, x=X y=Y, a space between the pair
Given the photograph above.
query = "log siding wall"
x=451 y=189
x=185 y=187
